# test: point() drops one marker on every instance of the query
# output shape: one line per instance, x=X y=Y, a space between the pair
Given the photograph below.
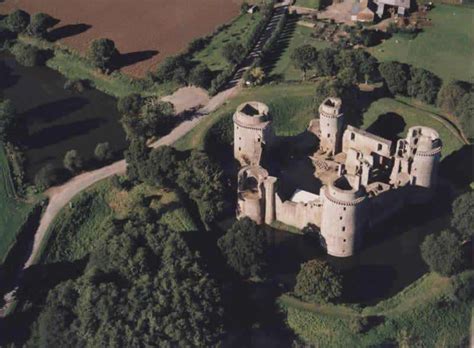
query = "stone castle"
x=364 y=178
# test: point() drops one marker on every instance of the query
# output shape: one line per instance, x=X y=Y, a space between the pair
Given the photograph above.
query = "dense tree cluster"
x=195 y=174
x=351 y=66
x=244 y=246
x=28 y=55
x=318 y=282
x=143 y=117
x=8 y=120
x=463 y=215
x=465 y=114
x=443 y=253
x=142 y=287
x=182 y=70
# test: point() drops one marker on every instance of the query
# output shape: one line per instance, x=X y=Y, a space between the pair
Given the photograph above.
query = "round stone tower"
x=425 y=145
x=331 y=122
x=344 y=217
x=252 y=132
x=251 y=193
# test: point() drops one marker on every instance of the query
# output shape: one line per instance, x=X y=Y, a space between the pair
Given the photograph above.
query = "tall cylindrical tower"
x=344 y=217
x=331 y=122
x=252 y=129
x=426 y=146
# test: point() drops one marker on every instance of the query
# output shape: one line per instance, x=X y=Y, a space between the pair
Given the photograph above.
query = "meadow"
x=13 y=211
x=90 y=215
x=446 y=47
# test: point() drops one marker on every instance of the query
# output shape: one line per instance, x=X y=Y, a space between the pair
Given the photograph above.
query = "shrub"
x=233 y=52
x=17 y=21
x=102 y=54
x=443 y=253
x=48 y=176
x=244 y=247
x=395 y=76
x=103 y=152
x=40 y=23
x=200 y=76
x=72 y=161
x=318 y=282
x=358 y=325
x=28 y=55
x=463 y=288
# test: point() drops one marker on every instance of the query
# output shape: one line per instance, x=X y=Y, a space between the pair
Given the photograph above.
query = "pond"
x=57 y=120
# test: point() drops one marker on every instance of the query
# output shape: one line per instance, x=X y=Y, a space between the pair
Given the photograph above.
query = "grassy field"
x=239 y=30
x=75 y=231
x=291 y=107
x=308 y=3
x=284 y=68
x=446 y=48
x=417 y=313
x=413 y=116
x=72 y=66
x=13 y=212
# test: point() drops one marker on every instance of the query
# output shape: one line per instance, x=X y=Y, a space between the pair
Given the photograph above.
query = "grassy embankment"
x=238 y=30
x=445 y=48
x=75 y=230
x=308 y=3
x=73 y=66
x=419 y=313
x=292 y=108
x=284 y=68
x=13 y=212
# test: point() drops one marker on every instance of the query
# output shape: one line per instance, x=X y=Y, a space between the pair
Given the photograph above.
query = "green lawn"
x=284 y=68
x=413 y=116
x=445 y=48
x=416 y=312
x=308 y=3
x=13 y=213
x=80 y=225
x=291 y=107
x=239 y=30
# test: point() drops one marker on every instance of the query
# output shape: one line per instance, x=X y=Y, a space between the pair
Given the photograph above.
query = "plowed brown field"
x=145 y=31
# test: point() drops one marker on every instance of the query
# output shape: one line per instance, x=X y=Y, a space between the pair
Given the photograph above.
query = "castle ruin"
x=364 y=178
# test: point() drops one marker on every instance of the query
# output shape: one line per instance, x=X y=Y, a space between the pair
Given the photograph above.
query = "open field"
x=146 y=31
x=416 y=312
x=13 y=212
x=386 y=108
x=446 y=48
x=80 y=225
x=299 y=36
x=239 y=30
x=291 y=107
x=308 y=3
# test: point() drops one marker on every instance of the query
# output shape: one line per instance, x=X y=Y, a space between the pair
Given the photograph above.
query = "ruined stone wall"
x=298 y=215
x=365 y=142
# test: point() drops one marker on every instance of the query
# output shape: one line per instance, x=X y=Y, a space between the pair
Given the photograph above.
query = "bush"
x=318 y=282
x=72 y=161
x=233 y=52
x=450 y=94
x=200 y=76
x=17 y=21
x=102 y=54
x=463 y=288
x=29 y=55
x=173 y=68
x=358 y=325
x=244 y=247
x=40 y=23
x=103 y=152
x=443 y=253
x=48 y=176
x=395 y=76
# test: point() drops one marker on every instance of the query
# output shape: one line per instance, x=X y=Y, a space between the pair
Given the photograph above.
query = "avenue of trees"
x=142 y=287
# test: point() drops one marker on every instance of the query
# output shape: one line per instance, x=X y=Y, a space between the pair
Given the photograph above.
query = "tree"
x=450 y=94
x=8 y=120
x=18 y=21
x=347 y=76
x=136 y=157
x=47 y=176
x=463 y=215
x=72 y=161
x=423 y=85
x=304 y=58
x=130 y=105
x=326 y=62
x=28 y=55
x=163 y=162
x=233 y=52
x=318 y=282
x=465 y=113
x=103 y=152
x=366 y=66
x=40 y=23
x=244 y=247
x=174 y=68
x=102 y=53
x=200 y=76
x=443 y=253
x=395 y=76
